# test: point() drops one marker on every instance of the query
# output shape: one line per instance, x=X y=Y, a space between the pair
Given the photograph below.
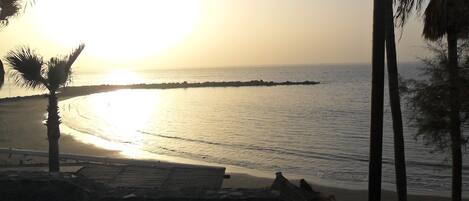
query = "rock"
x=290 y=192
x=305 y=186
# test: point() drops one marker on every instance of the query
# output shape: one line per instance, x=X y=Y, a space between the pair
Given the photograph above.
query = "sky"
x=150 y=34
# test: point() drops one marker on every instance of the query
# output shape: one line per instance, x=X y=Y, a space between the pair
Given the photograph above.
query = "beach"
x=247 y=95
x=22 y=127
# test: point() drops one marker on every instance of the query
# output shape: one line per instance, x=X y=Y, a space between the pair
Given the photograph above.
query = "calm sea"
x=318 y=132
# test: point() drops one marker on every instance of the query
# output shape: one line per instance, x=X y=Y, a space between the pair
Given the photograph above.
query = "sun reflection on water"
x=125 y=114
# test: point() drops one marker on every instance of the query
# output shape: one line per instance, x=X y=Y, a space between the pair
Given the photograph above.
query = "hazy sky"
x=206 y=33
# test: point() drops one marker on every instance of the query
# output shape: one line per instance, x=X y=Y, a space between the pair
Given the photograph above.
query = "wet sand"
x=21 y=127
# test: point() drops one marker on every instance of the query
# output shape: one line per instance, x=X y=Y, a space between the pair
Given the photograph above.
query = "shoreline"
x=24 y=116
x=73 y=91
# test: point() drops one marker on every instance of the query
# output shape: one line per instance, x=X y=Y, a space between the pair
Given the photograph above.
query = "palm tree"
x=448 y=18
x=2 y=74
x=32 y=71
x=8 y=9
x=393 y=84
x=377 y=91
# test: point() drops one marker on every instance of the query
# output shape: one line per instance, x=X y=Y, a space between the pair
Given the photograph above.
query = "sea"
x=317 y=132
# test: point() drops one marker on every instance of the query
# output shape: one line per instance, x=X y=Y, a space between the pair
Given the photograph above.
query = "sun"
x=118 y=29
x=122 y=77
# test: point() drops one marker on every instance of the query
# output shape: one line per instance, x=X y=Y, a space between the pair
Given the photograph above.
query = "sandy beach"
x=22 y=127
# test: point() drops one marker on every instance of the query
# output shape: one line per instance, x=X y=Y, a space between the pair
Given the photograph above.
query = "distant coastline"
x=86 y=90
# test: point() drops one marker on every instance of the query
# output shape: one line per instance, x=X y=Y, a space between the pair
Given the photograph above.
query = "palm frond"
x=56 y=73
x=439 y=16
x=458 y=17
x=435 y=20
x=2 y=74
x=59 y=69
x=405 y=9
x=9 y=8
x=74 y=55
x=27 y=66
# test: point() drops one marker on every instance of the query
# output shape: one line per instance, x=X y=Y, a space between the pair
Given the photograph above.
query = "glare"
x=125 y=114
x=125 y=149
x=116 y=29
x=122 y=77
x=122 y=117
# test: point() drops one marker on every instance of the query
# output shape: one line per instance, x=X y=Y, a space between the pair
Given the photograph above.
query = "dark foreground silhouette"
x=39 y=186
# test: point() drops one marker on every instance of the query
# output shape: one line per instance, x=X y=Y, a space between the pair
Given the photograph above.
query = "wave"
x=258 y=132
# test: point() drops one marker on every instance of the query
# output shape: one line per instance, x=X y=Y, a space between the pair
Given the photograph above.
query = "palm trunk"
x=377 y=91
x=2 y=74
x=53 y=133
x=455 y=123
x=391 y=58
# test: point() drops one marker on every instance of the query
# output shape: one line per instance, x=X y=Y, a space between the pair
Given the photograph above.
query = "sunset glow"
x=123 y=77
x=126 y=122
x=118 y=30
x=234 y=100
x=145 y=34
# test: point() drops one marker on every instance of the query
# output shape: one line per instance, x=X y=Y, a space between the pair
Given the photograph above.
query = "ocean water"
x=318 y=132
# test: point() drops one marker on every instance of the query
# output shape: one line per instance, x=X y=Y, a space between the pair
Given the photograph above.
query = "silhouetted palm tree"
x=448 y=18
x=393 y=80
x=31 y=71
x=8 y=8
x=2 y=74
x=377 y=91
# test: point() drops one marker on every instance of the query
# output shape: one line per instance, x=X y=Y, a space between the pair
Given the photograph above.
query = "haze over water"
x=318 y=132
